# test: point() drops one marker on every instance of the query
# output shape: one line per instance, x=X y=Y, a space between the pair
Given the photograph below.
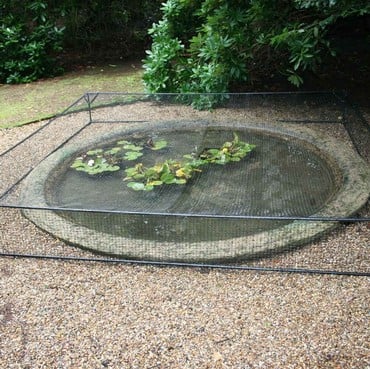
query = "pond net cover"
x=297 y=201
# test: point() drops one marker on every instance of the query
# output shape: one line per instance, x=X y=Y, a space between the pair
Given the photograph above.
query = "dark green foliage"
x=210 y=45
x=29 y=41
x=107 y=28
x=34 y=32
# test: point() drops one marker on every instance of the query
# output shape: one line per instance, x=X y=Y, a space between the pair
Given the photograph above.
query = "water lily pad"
x=94 y=152
x=136 y=186
x=123 y=142
x=92 y=167
x=141 y=178
x=113 y=151
x=168 y=178
x=155 y=183
x=77 y=163
x=180 y=181
x=132 y=155
x=132 y=147
x=158 y=145
x=148 y=187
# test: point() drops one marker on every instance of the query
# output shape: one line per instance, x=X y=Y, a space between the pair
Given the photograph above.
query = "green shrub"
x=210 y=45
x=28 y=46
x=107 y=29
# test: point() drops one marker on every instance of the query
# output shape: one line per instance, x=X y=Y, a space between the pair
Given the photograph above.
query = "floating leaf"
x=101 y=168
x=168 y=178
x=180 y=181
x=93 y=167
x=78 y=163
x=139 y=176
x=113 y=151
x=154 y=183
x=123 y=142
x=94 y=152
x=148 y=187
x=185 y=172
x=130 y=172
x=136 y=186
x=132 y=155
x=169 y=172
x=158 y=145
x=112 y=168
x=132 y=147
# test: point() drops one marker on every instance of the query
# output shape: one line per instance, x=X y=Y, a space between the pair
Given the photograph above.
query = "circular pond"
x=219 y=213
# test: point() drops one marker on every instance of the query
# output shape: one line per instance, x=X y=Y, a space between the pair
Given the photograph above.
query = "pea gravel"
x=57 y=314
x=91 y=315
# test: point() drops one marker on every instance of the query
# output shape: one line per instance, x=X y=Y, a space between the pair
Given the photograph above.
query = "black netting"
x=277 y=181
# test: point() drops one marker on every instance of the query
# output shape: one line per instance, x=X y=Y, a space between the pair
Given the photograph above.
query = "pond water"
x=282 y=176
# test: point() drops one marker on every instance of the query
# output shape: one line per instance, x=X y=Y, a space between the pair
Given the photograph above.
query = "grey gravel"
x=90 y=315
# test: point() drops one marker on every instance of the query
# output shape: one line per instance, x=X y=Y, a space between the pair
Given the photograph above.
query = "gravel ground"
x=56 y=314
x=82 y=315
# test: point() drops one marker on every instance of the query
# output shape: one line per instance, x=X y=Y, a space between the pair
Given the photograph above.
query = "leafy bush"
x=28 y=45
x=107 y=28
x=223 y=42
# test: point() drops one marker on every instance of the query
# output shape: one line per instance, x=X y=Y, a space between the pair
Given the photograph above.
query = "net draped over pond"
x=252 y=180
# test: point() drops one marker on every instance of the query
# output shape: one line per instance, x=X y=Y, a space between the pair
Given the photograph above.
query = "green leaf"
x=148 y=187
x=130 y=172
x=113 y=168
x=136 y=186
x=113 y=151
x=94 y=152
x=132 y=155
x=158 y=145
x=132 y=147
x=168 y=178
x=180 y=181
x=78 y=163
x=155 y=183
x=138 y=176
x=295 y=79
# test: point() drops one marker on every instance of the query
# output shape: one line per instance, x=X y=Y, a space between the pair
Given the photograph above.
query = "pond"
x=234 y=211
x=280 y=177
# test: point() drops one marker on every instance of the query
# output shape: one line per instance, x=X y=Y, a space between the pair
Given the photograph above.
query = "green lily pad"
x=155 y=183
x=168 y=178
x=136 y=186
x=123 y=142
x=94 y=152
x=180 y=181
x=92 y=167
x=141 y=178
x=132 y=155
x=158 y=145
x=113 y=151
x=78 y=163
x=132 y=147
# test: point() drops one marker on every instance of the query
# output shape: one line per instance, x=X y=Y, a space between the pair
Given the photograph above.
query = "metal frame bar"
x=189 y=215
x=189 y=265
